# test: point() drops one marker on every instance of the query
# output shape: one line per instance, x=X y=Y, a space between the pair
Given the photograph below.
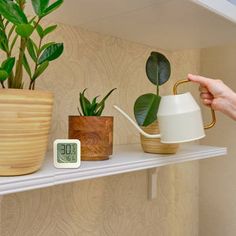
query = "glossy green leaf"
x=26 y=66
x=39 y=30
x=11 y=31
x=35 y=46
x=12 y=12
x=31 y=50
x=51 y=53
x=108 y=94
x=45 y=46
x=158 y=68
x=87 y=104
x=3 y=46
x=83 y=107
x=24 y=30
x=39 y=6
x=93 y=108
x=13 y=42
x=3 y=41
x=145 y=108
x=3 y=75
x=101 y=105
x=40 y=70
x=8 y=64
x=1 y=25
x=84 y=103
x=49 y=29
x=52 y=7
x=100 y=110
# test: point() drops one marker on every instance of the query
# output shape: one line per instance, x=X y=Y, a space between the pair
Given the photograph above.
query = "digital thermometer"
x=66 y=153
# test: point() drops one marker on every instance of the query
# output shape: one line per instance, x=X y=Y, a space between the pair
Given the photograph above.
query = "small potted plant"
x=94 y=131
x=25 y=114
x=158 y=71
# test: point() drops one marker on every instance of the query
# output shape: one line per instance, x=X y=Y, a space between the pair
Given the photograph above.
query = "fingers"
x=203 y=89
x=203 y=81
x=206 y=96
x=207 y=102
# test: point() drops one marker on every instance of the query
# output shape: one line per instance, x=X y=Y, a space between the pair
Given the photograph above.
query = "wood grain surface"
x=154 y=145
x=95 y=134
x=25 y=120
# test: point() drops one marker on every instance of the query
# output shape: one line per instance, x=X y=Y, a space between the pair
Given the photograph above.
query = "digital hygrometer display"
x=66 y=153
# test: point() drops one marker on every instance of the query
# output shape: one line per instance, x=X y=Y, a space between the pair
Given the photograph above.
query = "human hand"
x=216 y=94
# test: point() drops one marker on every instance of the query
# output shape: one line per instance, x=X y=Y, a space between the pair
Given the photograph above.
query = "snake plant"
x=93 y=107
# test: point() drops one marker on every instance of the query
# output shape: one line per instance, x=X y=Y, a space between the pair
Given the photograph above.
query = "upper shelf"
x=225 y=8
x=166 y=24
x=126 y=158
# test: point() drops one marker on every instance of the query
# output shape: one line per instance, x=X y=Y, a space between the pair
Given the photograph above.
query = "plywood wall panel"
x=217 y=180
x=115 y=205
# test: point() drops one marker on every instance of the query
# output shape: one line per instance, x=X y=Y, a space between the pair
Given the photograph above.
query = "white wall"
x=218 y=176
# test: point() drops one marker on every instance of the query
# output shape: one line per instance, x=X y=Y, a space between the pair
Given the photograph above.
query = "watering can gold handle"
x=212 y=111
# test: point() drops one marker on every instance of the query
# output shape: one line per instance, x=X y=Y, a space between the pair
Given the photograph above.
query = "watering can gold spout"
x=179 y=118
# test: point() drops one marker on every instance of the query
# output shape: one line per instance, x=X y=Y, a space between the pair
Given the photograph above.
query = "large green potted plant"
x=25 y=113
x=158 y=72
x=94 y=131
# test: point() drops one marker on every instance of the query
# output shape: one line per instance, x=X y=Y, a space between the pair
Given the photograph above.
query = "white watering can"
x=179 y=118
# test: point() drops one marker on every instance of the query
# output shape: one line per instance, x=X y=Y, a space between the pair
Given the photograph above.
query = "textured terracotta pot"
x=25 y=120
x=95 y=134
x=153 y=145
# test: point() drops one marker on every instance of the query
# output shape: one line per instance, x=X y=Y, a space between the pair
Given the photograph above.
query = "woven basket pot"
x=95 y=134
x=153 y=145
x=25 y=119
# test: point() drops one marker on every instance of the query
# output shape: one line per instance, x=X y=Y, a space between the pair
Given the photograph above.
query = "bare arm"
x=216 y=94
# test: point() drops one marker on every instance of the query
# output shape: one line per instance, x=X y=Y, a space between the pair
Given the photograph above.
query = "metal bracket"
x=152 y=183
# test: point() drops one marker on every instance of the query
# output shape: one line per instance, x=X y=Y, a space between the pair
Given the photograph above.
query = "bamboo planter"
x=25 y=120
x=153 y=145
x=95 y=134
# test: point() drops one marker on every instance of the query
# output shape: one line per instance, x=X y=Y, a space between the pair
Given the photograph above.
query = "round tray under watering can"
x=154 y=145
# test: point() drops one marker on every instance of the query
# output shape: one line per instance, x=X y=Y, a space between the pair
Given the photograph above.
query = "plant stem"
x=32 y=83
x=4 y=31
x=19 y=65
x=17 y=80
x=2 y=84
x=8 y=52
x=11 y=76
x=157 y=90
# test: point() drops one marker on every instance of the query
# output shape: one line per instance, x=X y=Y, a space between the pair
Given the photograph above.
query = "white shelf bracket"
x=152 y=183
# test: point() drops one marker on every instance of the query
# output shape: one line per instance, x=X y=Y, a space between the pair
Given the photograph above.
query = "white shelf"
x=166 y=24
x=224 y=8
x=126 y=158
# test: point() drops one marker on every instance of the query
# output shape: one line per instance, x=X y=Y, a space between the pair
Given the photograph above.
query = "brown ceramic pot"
x=95 y=134
x=153 y=145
